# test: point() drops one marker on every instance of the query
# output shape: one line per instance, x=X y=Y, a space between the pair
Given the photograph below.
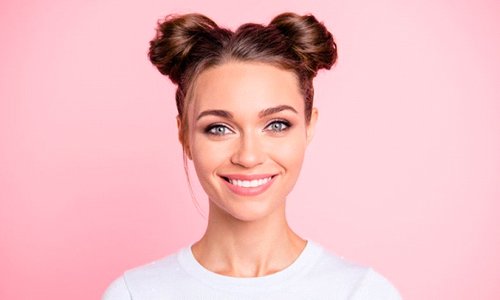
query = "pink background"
x=403 y=174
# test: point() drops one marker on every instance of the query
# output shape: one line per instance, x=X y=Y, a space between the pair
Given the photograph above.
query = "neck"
x=254 y=248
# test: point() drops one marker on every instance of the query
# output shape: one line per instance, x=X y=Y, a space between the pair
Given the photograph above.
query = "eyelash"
x=211 y=128
x=282 y=122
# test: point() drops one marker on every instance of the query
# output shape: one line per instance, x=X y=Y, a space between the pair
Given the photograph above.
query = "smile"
x=248 y=185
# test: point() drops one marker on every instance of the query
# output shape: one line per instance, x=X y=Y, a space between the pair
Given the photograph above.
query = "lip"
x=246 y=177
x=248 y=191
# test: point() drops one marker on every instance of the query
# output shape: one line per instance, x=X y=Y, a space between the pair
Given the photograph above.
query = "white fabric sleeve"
x=374 y=286
x=117 y=290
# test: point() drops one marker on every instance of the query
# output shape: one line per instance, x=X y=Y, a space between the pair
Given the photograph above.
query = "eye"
x=278 y=126
x=218 y=129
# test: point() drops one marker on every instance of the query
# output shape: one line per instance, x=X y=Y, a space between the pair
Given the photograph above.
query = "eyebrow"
x=215 y=112
x=263 y=113
x=276 y=109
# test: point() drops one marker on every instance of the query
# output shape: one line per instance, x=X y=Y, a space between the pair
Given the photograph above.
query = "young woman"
x=246 y=116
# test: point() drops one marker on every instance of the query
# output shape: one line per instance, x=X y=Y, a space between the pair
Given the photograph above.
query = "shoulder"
x=375 y=286
x=144 y=281
x=352 y=280
x=117 y=290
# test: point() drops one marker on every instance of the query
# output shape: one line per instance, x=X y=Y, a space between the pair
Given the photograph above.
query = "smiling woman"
x=261 y=136
x=246 y=116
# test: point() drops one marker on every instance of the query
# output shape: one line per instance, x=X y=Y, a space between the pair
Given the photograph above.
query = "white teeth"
x=249 y=183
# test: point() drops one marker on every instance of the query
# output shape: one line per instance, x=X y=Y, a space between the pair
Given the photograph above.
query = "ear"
x=180 y=133
x=312 y=125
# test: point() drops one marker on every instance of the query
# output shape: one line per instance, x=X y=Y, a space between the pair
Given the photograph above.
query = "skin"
x=247 y=236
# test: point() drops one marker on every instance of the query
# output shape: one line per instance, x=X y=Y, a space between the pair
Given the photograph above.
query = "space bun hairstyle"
x=186 y=45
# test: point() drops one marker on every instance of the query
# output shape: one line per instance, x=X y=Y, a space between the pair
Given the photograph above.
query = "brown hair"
x=186 y=45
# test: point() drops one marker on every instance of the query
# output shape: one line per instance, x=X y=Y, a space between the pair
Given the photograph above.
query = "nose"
x=249 y=152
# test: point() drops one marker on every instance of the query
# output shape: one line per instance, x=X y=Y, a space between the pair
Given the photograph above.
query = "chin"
x=251 y=212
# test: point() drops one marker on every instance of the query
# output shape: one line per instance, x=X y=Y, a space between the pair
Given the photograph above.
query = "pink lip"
x=248 y=191
x=246 y=177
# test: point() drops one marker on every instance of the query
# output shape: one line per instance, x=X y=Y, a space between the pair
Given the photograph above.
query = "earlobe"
x=187 y=151
x=312 y=125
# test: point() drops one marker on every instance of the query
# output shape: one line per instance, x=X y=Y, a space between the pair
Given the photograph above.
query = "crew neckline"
x=306 y=259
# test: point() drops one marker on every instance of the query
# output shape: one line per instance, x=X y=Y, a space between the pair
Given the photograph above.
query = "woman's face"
x=247 y=137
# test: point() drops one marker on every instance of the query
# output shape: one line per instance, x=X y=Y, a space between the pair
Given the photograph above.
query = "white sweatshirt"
x=315 y=274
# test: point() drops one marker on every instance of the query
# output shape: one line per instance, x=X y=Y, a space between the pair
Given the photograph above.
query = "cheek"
x=289 y=152
x=207 y=155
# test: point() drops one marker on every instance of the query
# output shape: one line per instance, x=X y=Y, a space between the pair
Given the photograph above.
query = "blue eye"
x=218 y=129
x=278 y=126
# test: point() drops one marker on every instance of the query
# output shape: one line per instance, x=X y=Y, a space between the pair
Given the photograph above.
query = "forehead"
x=246 y=87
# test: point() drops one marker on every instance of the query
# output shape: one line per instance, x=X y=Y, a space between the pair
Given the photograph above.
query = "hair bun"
x=176 y=38
x=310 y=39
